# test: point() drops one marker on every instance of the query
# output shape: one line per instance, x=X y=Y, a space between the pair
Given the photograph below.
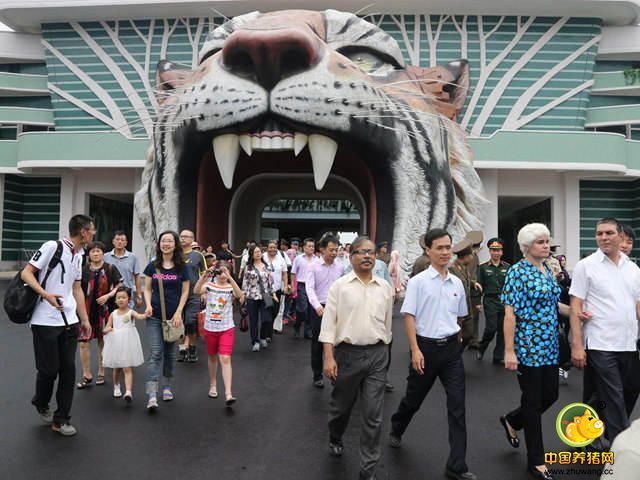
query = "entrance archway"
x=251 y=197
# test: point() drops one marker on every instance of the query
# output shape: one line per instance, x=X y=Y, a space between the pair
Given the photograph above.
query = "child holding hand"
x=122 y=347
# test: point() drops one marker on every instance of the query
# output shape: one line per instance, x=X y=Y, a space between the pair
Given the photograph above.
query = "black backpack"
x=20 y=300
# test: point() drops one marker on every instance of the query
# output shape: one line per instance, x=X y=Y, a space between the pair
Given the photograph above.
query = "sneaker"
x=395 y=441
x=64 y=429
x=192 y=355
x=116 y=391
x=128 y=398
x=256 y=347
x=152 y=403
x=264 y=344
x=167 y=394
x=46 y=415
x=269 y=338
x=319 y=383
x=182 y=355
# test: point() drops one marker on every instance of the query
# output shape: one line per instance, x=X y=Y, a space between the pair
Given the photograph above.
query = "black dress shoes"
x=336 y=449
x=460 y=476
x=542 y=475
x=513 y=441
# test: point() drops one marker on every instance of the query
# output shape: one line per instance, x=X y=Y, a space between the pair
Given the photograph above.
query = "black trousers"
x=539 y=387
x=303 y=311
x=610 y=385
x=259 y=320
x=443 y=362
x=55 y=354
x=316 y=346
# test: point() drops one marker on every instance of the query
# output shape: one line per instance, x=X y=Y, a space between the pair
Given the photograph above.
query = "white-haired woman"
x=530 y=297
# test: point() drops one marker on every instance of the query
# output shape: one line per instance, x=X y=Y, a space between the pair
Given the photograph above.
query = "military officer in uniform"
x=491 y=277
x=476 y=294
x=422 y=262
x=460 y=268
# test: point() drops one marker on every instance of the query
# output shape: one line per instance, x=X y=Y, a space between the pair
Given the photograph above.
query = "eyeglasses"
x=363 y=252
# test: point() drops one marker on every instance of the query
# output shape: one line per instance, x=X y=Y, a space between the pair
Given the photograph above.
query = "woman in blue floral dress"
x=530 y=296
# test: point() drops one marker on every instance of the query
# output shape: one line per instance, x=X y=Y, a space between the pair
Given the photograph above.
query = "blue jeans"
x=160 y=351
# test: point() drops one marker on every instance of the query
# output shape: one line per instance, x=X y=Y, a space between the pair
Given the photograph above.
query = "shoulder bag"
x=266 y=298
x=170 y=333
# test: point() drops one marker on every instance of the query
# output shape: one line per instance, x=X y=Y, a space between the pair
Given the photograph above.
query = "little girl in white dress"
x=122 y=348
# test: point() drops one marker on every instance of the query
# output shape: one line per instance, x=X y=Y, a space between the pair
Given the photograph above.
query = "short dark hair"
x=435 y=234
x=97 y=244
x=307 y=240
x=355 y=245
x=124 y=289
x=326 y=240
x=628 y=231
x=610 y=221
x=283 y=241
x=117 y=233
x=78 y=222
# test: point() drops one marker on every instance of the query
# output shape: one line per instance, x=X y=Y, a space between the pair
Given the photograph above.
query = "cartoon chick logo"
x=578 y=425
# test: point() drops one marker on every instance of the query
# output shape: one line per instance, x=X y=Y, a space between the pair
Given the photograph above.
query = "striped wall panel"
x=548 y=41
x=31 y=214
x=607 y=198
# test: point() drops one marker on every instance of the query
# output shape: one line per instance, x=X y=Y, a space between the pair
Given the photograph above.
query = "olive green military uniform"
x=476 y=298
x=420 y=265
x=491 y=278
x=466 y=327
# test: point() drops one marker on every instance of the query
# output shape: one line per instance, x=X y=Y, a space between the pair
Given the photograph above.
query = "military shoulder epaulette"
x=485 y=263
x=506 y=264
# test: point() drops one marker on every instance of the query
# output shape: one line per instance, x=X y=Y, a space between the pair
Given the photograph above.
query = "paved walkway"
x=277 y=430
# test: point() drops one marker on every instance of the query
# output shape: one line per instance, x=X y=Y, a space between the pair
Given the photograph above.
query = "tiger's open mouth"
x=217 y=163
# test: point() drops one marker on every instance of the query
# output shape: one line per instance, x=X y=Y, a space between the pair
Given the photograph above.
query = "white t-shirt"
x=57 y=283
x=219 y=311
x=610 y=292
x=278 y=266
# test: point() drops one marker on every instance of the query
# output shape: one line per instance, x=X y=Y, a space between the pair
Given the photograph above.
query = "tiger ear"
x=447 y=84
x=170 y=76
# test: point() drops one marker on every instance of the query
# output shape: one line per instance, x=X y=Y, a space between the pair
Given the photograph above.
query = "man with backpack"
x=54 y=322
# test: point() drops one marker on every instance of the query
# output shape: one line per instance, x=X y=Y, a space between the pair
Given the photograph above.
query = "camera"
x=217 y=271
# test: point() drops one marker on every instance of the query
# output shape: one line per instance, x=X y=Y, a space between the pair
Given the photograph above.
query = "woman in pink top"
x=394 y=272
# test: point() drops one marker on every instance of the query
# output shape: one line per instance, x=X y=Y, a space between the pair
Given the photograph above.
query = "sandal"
x=230 y=400
x=100 y=380
x=86 y=382
x=213 y=392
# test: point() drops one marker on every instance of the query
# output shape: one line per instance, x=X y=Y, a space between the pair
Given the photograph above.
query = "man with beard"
x=356 y=332
x=434 y=305
x=604 y=337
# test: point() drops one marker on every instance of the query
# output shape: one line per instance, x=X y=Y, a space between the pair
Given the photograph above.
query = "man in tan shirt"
x=356 y=332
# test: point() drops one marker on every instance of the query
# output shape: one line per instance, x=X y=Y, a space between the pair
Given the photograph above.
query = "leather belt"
x=440 y=342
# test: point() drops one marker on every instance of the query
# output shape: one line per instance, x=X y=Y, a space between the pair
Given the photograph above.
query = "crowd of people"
x=340 y=297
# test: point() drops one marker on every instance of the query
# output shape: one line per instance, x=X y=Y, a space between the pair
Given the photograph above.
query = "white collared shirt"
x=436 y=303
x=610 y=292
x=357 y=313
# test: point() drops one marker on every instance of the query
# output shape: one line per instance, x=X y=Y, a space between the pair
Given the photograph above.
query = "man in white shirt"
x=356 y=332
x=605 y=291
x=434 y=307
x=54 y=323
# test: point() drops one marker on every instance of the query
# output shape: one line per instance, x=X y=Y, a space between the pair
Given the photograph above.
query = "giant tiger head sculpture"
x=270 y=84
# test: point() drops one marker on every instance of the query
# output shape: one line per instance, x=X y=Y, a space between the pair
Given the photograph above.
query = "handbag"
x=244 y=319
x=170 y=333
x=201 y=317
x=268 y=301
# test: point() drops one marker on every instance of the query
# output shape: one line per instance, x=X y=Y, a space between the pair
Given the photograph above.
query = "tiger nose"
x=268 y=56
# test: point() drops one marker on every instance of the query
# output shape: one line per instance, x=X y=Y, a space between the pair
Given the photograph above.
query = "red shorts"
x=219 y=342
